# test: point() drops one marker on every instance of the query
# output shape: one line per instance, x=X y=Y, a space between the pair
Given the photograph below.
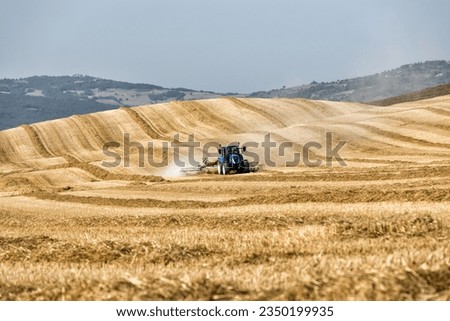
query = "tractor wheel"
x=224 y=169
x=246 y=168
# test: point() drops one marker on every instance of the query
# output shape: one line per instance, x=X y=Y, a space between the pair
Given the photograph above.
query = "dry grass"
x=383 y=250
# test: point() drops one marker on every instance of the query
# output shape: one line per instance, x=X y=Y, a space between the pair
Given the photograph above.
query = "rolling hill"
x=416 y=132
x=34 y=99
x=427 y=93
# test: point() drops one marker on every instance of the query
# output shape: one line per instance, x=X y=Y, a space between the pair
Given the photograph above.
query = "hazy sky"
x=219 y=45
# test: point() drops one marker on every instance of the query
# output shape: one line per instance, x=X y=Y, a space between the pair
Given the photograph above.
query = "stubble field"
x=377 y=229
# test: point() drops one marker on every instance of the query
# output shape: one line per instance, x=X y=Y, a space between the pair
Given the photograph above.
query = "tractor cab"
x=231 y=159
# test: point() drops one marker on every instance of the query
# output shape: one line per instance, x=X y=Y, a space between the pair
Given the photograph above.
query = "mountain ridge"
x=386 y=84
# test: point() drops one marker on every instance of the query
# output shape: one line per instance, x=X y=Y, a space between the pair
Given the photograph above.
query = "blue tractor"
x=231 y=159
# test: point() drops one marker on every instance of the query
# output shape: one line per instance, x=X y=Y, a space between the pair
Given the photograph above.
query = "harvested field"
x=376 y=229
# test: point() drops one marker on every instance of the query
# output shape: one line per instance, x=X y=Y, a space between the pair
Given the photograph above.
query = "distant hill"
x=427 y=93
x=40 y=98
x=383 y=85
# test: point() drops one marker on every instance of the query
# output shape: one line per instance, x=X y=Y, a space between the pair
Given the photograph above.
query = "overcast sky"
x=219 y=45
